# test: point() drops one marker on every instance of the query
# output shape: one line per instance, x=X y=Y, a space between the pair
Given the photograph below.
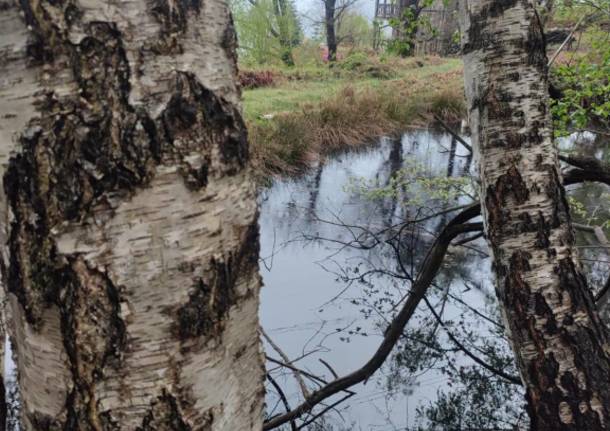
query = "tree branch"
x=588 y=169
x=429 y=269
x=510 y=378
x=565 y=42
x=278 y=388
x=297 y=374
x=453 y=133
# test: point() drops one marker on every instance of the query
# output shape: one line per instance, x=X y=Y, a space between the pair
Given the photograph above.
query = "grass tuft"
x=348 y=115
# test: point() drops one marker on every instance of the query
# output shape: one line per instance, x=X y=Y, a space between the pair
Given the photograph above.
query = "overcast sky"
x=313 y=9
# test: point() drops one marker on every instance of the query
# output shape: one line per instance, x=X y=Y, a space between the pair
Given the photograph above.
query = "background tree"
x=128 y=222
x=334 y=13
x=560 y=344
x=289 y=29
x=406 y=26
x=355 y=30
x=267 y=30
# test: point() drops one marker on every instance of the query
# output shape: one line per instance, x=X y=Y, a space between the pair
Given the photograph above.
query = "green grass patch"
x=304 y=119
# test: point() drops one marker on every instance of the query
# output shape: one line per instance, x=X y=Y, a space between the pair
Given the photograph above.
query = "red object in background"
x=324 y=53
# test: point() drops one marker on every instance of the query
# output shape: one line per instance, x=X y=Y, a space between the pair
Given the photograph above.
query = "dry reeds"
x=288 y=143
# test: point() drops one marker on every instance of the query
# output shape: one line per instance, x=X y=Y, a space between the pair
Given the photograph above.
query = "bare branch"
x=429 y=269
x=323 y=412
x=278 y=388
x=298 y=370
x=297 y=374
x=512 y=379
x=565 y=42
x=588 y=169
x=453 y=133
x=327 y=365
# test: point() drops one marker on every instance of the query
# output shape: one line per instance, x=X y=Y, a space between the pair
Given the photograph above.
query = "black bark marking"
x=535 y=46
x=81 y=149
x=93 y=335
x=543 y=233
x=510 y=185
x=212 y=298
x=516 y=291
x=165 y=415
x=229 y=43
x=498 y=104
x=173 y=15
x=173 y=18
x=478 y=37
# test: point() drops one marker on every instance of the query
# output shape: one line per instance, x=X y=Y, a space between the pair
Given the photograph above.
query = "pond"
x=309 y=303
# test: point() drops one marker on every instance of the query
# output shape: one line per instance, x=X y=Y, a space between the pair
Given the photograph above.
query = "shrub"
x=361 y=64
x=249 y=79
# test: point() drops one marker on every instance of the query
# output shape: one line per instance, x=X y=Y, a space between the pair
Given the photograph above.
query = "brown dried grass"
x=288 y=143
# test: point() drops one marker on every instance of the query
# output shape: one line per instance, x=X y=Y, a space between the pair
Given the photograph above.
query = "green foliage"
x=566 y=13
x=364 y=65
x=354 y=61
x=590 y=216
x=414 y=186
x=407 y=25
x=584 y=82
x=267 y=30
x=585 y=87
x=308 y=54
x=354 y=30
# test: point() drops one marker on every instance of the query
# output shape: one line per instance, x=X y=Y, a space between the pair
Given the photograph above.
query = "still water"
x=308 y=306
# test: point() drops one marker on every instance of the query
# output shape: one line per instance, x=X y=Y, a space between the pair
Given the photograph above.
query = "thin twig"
x=297 y=374
x=323 y=412
x=453 y=133
x=327 y=365
x=282 y=396
x=512 y=379
x=565 y=42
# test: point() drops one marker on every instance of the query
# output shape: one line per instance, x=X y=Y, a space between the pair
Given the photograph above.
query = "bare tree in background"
x=334 y=11
x=128 y=221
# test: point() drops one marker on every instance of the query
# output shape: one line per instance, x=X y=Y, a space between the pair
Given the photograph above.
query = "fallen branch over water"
x=429 y=269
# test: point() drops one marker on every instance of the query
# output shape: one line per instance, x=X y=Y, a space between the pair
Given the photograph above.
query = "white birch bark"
x=561 y=347
x=131 y=232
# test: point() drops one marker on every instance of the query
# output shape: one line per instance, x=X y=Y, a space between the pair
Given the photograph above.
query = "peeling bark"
x=129 y=217
x=560 y=344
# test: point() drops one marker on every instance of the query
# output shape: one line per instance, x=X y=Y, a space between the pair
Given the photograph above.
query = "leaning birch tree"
x=128 y=219
x=561 y=346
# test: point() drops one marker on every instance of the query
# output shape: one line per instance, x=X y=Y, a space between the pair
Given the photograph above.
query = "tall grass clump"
x=287 y=143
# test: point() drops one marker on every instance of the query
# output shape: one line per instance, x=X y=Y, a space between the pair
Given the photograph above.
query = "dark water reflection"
x=307 y=303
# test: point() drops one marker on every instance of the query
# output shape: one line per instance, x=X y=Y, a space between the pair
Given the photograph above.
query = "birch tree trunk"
x=560 y=344
x=129 y=217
